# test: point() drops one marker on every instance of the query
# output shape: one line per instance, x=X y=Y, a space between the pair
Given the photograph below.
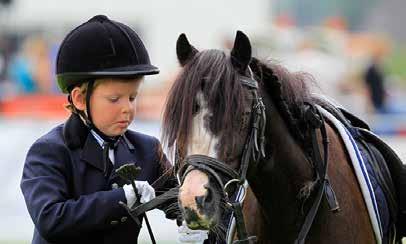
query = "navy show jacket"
x=67 y=195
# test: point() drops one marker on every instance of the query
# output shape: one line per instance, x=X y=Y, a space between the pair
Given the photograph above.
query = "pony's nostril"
x=202 y=201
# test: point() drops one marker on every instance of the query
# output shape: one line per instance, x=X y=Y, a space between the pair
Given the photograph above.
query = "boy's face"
x=113 y=105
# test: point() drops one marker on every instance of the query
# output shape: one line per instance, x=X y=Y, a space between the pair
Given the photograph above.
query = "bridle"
x=254 y=149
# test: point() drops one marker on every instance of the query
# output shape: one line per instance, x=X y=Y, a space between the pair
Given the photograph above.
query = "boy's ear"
x=78 y=99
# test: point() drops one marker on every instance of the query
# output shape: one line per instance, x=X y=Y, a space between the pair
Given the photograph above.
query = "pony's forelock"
x=211 y=72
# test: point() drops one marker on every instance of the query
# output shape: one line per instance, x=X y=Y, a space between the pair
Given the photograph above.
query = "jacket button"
x=123 y=219
x=114 y=186
x=114 y=222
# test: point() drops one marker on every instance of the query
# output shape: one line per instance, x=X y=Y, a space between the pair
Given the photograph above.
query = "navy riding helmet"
x=101 y=48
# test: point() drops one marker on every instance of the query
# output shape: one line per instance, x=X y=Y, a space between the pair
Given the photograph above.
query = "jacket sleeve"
x=166 y=173
x=55 y=213
x=166 y=180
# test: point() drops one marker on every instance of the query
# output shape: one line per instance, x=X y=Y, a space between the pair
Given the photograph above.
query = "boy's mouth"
x=123 y=123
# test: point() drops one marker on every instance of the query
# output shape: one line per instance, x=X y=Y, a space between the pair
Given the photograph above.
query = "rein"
x=316 y=121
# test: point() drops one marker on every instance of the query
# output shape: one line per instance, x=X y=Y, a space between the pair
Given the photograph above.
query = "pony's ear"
x=241 y=52
x=184 y=50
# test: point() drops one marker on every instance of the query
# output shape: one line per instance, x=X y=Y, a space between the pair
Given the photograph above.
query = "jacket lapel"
x=77 y=135
x=124 y=154
x=92 y=153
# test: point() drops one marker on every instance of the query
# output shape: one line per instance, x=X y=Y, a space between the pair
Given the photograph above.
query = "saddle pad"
x=361 y=173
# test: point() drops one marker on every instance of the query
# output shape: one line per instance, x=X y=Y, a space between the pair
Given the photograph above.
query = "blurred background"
x=355 y=49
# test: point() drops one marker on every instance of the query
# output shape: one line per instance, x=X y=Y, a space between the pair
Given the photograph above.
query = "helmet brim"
x=67 y=80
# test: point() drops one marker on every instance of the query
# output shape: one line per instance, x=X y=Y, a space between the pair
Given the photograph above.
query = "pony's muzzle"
x=197 y=201
x=195 y=221
x=197 y=217
x=191 y=216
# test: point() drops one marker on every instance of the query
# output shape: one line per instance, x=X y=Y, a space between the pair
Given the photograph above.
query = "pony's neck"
x=280 y=177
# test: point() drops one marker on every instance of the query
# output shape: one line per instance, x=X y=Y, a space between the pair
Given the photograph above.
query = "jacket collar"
x=75 y=132
x=77 y=135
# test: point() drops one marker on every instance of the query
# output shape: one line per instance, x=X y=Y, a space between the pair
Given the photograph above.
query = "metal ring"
x=229 y=183
x=230 y=204
x=238 y=181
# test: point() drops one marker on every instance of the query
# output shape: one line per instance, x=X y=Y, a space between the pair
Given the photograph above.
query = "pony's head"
x=207 y=117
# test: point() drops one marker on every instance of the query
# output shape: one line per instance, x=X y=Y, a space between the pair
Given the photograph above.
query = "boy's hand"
x=144 y=190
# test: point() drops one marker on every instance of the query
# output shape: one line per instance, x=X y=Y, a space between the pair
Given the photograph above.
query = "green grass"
x=396 y=63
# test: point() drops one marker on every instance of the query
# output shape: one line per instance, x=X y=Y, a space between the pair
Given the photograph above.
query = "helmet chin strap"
x=109 y=142
x=88 y=117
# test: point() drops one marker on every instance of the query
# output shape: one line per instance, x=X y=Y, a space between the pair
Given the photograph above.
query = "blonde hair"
x=83 y=90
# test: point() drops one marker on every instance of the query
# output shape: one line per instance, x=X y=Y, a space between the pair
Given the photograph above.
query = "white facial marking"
x=202 y=140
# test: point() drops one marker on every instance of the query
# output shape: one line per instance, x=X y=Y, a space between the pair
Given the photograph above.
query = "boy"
x=69 y=181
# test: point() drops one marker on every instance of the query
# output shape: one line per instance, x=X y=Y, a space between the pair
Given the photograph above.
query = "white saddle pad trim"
x=360 y=172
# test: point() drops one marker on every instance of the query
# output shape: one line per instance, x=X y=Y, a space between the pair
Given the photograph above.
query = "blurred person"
x=21 y=72
x=374 y=80
x=31 y=68
x=69 y=182
x=3 y=66
x=42 y=72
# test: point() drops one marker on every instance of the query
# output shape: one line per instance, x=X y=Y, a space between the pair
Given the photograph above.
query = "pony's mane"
x=288 y=90
x=212 y=72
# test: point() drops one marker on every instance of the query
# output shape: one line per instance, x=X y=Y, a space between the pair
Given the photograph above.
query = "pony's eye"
x=196 y=108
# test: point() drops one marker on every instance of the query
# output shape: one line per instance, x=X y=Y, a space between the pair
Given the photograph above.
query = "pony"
x=233 y=119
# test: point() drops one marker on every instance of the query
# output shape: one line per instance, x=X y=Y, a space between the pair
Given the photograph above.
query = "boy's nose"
x=128 y=107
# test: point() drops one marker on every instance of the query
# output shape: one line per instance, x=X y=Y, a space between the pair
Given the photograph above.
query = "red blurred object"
x=402 y=132
x=336 y=22
x=284 y=20
x=34 y=106
x=48 y=107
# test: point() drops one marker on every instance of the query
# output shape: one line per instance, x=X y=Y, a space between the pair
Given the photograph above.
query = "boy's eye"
x=113 y=99
x=132 y=98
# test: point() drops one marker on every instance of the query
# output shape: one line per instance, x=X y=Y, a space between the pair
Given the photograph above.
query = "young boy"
x=69 y=181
